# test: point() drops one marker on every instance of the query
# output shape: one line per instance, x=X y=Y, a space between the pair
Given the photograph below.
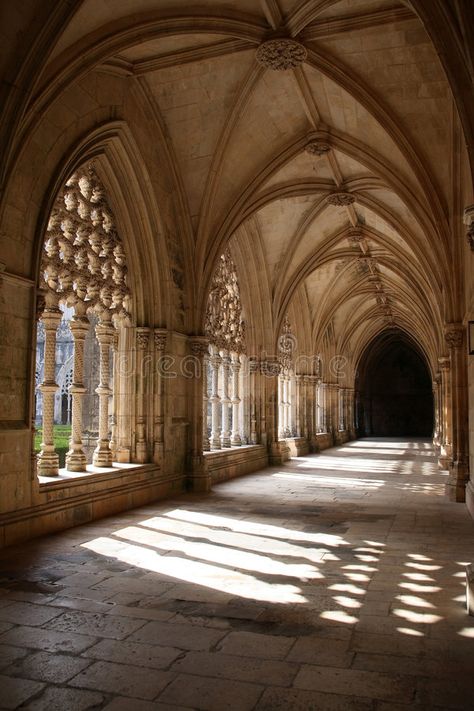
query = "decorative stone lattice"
x=286 y=346
x=340 y=199
x=317 y=148
x=83 y=258
x=224 y=325
x=281 y=54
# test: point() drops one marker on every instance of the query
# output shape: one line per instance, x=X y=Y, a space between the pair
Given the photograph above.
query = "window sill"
x=96 y=473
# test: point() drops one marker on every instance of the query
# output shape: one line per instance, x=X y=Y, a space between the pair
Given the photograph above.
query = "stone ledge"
x=225 y=464
x=67 y=504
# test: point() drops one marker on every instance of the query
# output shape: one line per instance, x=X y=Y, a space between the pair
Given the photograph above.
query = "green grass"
x=62 y=433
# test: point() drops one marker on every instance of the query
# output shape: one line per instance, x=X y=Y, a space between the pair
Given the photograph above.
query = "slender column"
x=160 y=336
x=253 y=368
x=277 y=449
x=76 y=460
x=215 y=398
x=286 y=406
x=225 y=400
x=199 y=477
x=436 y=408
x=102 y=456
x=459 y=464
x=206 y=445
x=236 y=440
x=142 y=340
x=113 y=399
x=281 y=408
x=300 y=419
x=48 y=459
x=446 y=445
x=351 y=421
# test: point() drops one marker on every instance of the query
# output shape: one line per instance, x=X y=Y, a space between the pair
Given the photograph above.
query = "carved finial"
x=281 y=54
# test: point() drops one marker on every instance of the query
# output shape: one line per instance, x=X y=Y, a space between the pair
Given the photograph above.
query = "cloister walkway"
x=333 y=582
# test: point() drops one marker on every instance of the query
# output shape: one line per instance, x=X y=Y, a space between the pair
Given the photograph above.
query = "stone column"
x=199 y=478
x=76 y=460
x=160 y=336
x=253 y=369
x=142 y=341
x=225 y=400
x=459 y=464
x=445 y=443
x=281 y=408
x=277 y=449
x=104 y=331
x=436 y=409
x=215 y=398
x=286 y=406
x=236 y=440
x=48 y=460
x=351 y=423
x=113 y=399
x=206 y=445
x=300 y=410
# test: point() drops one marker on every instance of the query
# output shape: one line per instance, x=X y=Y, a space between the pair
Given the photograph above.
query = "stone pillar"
x=253 y=369
x=206 y=445
x=236 y=440
x=459 y=464
x=445 y=443
x=225 y=400
x=215 y=398
x=160 y=336
x=300 y=426
x=199 y=478
x=48 y=460
x=142 y=341
x=76 y=460
x=351 y=419
x=277 y=449
x=436 y=410
x=104 y=330
x=113 y=400
x=286 y=406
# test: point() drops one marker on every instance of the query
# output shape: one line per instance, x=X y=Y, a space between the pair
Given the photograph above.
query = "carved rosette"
x=454 y=335
x=83 y=258
x=281 y=54
x=317 y=148
x=224 y=325
x=340 y=199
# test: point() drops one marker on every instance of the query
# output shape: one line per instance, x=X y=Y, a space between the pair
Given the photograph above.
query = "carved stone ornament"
x=270 y=368
x=159 y=339
x=142 y=337
x=469 y=222
x=199 y=346
x=355 y=235
x=281 y=54
x=317 y=148
x=224 y=326
x=286 y=346
x=340 y=199
x=83 y=260
x=454 y=336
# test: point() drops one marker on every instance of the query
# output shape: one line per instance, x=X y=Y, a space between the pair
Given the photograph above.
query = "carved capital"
x=142 y=337
x=199 y=346
x=281 y=54
x=253 y=365
x=444 y=363
x=270 y=368
x=454 y=335
x=340 y=198
x=159 y=338
x=469 y=222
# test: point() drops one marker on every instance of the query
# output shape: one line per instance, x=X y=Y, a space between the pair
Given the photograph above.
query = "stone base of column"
x=225 y=442
x=158 y=452
x=236 y=441
x=102 y=456
x=457 y=481
x=141 y=454
x=279 y=452
x=470 y=497
x=76 y=461
x=199 y=480
x=48 y=462
x=313 y=445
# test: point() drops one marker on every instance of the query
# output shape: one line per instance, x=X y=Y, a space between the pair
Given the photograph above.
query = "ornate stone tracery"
x=83 y=258
x=224 y=325
x=281 y=54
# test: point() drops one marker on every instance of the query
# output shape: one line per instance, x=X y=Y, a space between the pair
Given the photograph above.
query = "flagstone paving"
x=332 y=582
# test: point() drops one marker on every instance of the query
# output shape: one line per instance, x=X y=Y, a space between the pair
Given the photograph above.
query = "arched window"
x=226 y=423
x=286 y=382
x=85 y=299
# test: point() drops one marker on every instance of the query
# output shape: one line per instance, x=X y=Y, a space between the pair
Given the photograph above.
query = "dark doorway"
x=394 y=390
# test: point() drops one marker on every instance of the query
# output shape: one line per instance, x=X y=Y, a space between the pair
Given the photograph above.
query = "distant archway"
x=394 y=390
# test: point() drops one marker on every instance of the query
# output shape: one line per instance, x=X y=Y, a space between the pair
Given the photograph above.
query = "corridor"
x=332 y=582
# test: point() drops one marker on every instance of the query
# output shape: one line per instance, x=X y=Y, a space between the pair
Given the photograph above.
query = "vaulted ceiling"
x=335 y=178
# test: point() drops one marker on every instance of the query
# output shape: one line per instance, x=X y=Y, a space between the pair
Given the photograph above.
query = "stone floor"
x=334 y=582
